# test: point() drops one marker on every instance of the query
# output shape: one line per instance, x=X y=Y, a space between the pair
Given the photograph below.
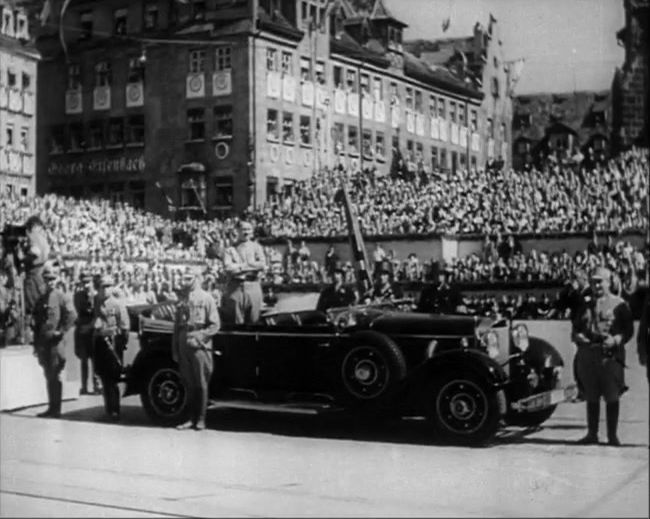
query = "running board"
x=293 y=408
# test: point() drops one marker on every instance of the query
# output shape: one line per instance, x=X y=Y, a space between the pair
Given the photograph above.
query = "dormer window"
x=394 y=37
x=8 y=22
x=86 y=25
x=151 y=16
x=21 y=26
x=198 y=10
x=119 y=21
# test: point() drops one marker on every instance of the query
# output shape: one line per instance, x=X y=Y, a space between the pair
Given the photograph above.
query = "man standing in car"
x=197 y=321
x=442 y=297
x=336 y=294
x=248 y=300
x=600 y=330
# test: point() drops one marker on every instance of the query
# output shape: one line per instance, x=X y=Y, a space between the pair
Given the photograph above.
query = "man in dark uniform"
x=336 y=294
x=35 y=257
x=579 y=294
x=111 y=334
x=442 y=297
x=385 y=289
x=84 y=302
x=196 y=322
x=601 y=329
x=54 y=315
x=642 y=339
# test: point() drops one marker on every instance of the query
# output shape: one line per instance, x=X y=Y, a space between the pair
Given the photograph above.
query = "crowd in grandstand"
x=147 y=253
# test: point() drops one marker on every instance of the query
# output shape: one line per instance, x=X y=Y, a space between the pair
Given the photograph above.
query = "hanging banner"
x=435 y=128
x=410 y=122
x=380 y=111
x=353 y=104
x=419 y=124
x=289 y=88
x=273 y=85
x=443 y=130
x=308 y=93
x=476 y=142
x=394 y=116
x=321 y=97
x=490 y=148
x=463 y=137
x=454 y=133
x=366 y=107
x=339 y=101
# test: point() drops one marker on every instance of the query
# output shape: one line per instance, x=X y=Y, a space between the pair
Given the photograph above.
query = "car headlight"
x=520 y=337
x=490 y=341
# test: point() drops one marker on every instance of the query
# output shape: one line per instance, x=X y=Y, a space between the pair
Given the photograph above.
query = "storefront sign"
x=97 y=167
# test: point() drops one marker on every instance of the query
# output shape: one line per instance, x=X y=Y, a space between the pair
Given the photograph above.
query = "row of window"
x=98 y=134
x=18 y=142
x=14 y=22
x=12 y=78
x=103 y=73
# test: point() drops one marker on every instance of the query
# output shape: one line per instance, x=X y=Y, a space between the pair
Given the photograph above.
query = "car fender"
x=136 y=373
x=465 y=360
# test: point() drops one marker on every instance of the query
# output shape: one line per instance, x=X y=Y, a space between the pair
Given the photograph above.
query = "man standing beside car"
x=197 y=321
x=600 y=330
x=110 y=337
x=54 y=315
x=84 y=298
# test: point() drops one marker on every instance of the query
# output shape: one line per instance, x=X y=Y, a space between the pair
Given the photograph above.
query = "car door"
x=293 y=357
x=236 y=363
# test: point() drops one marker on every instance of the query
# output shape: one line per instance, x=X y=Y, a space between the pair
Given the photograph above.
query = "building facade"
x=630 y=87
x=479 y=59
x=561 y=127
x=18 y=83
x=211 y=106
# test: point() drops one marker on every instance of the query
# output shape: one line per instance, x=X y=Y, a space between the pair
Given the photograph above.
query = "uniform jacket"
x=197 y=320
x=606 y=315
x=110 y=317
x=332 y=297
x=252 y=255
x=85 y=307
x=54 y=314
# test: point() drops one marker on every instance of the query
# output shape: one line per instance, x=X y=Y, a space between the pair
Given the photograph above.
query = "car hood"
x=424 y=324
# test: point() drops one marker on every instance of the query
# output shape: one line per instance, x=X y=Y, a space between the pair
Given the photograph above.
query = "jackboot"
x=57 y=395
x=593 y=417
x=612 y=411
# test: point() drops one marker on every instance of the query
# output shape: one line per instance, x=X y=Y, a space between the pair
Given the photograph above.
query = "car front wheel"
x=164 y=396
x=464 y=410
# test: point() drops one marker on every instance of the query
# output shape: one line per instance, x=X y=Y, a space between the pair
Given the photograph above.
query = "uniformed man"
x=601 y=329
x=385 y=289
x=441 y=297
x=196 y=322
x=336 y=294
x=35 y=258
x=111 y=334
x=643 y=338
x=243 y=300
x=84 y=301
x=54 y=315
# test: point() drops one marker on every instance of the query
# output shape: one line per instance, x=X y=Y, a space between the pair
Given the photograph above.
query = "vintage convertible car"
x=465 y=375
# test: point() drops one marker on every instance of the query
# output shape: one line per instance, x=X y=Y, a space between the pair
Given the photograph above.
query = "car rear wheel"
x=464 y=409
x=164 y=396
x=371 y=368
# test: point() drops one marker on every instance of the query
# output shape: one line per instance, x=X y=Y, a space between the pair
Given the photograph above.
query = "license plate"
x=543 y=400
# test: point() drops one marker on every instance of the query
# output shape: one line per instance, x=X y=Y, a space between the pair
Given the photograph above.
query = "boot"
x=57 y=395
x=593 y=417
x=84 y=377
x=612 y=409
x=50 y=395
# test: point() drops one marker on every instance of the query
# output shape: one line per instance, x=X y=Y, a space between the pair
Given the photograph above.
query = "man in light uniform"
x=54 y=315
x=600 y=330
x=111 y=335
x=196 y=321
x=243 y=300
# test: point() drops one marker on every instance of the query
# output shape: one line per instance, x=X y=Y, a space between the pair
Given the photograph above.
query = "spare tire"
x=164 y=395
x=371 y=368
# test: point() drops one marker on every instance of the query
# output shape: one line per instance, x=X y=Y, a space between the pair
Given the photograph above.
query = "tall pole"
x=360 y=116
x=313 y=44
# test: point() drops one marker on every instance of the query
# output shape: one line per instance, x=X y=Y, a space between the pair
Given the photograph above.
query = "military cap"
x=50 y=272
x=601 y=273
x=107 y=281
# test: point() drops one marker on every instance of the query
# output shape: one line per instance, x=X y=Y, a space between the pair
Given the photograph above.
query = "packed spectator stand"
x=147 y=253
